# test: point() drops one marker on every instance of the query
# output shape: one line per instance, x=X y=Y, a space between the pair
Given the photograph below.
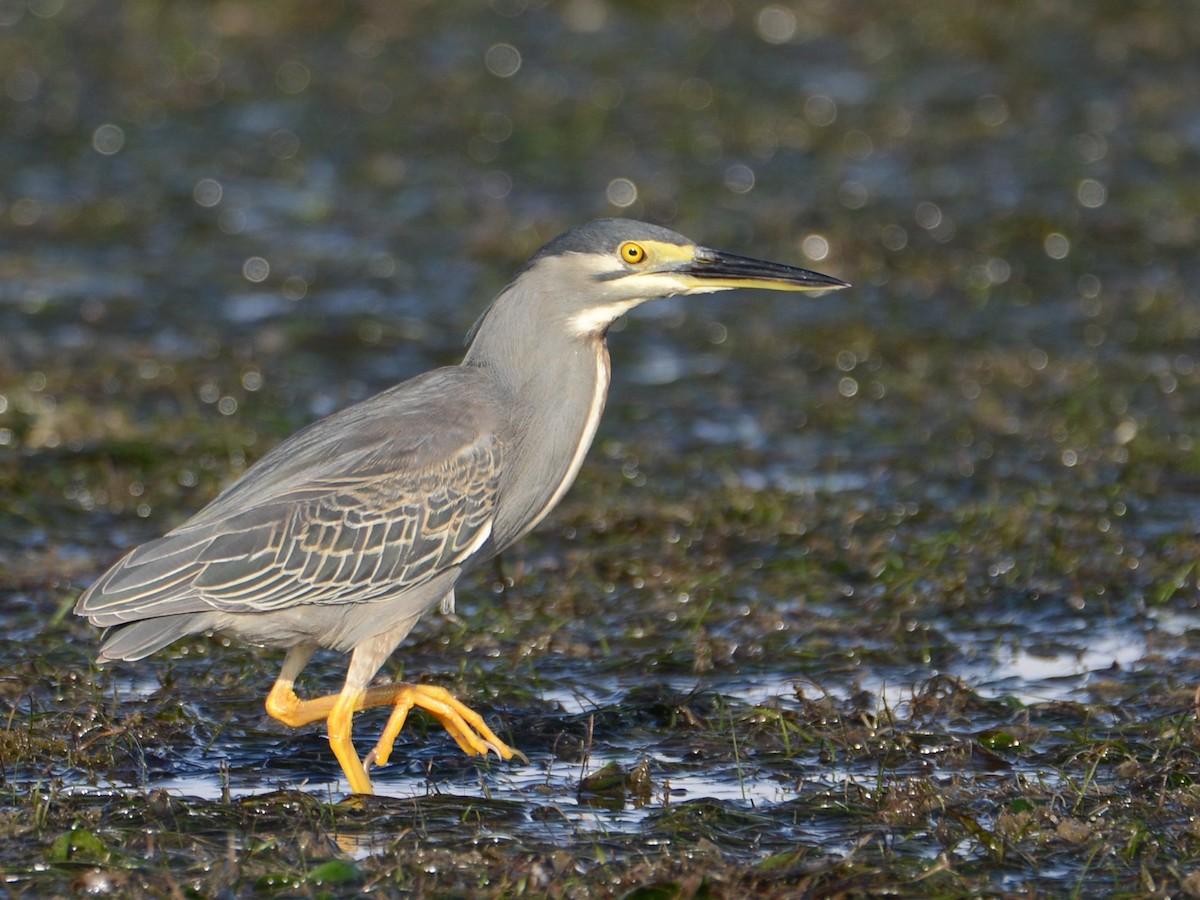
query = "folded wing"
x=365 y=504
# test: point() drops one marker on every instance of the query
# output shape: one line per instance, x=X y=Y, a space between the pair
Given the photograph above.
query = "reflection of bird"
x=347 y=532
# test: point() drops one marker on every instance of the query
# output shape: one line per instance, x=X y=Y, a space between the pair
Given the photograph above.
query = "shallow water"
x=930 y=537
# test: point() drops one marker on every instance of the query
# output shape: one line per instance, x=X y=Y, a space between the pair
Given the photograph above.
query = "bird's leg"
x=336 y=709
x=282 y=702
x=340 y=725
x=465 y=725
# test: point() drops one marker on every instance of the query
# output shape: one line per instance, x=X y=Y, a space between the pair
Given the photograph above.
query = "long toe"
x=465 y=725
x=382 y=751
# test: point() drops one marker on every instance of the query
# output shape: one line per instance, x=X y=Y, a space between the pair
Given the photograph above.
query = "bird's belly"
x=337 y=626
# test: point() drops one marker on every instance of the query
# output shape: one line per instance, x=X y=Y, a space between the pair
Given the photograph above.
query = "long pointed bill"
x=714 y=270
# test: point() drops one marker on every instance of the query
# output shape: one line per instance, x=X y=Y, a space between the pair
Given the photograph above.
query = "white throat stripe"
x=595 y=319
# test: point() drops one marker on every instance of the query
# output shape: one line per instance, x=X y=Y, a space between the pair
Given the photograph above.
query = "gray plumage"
x=362 y=506
x=347 y=532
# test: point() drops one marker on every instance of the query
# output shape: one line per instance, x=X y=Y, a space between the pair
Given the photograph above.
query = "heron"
x=346 y=533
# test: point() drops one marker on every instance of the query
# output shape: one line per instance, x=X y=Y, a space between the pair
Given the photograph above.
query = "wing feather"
x=373 y=500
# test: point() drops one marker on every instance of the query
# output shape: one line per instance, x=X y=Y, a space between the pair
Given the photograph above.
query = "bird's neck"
x=554 y=385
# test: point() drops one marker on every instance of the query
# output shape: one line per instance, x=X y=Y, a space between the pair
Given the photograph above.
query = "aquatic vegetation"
x=890 y=592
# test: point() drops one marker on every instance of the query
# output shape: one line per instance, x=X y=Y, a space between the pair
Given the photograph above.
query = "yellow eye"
x=632 y=252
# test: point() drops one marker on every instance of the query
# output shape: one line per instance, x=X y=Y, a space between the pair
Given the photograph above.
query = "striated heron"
x=347 y=532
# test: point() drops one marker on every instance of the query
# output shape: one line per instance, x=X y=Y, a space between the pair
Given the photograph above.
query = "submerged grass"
x=657 y=768
x=890 y=594
x=866 y=800
x=722 y=688
x=721 y=691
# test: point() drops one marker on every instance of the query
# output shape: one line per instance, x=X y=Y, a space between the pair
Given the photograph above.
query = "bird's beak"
x=714 y=270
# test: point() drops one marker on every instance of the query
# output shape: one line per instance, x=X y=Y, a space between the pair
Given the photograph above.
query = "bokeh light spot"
x=207 y=192
x=775 y=24
x=108 y=139
x=739 y=178
x=502 y=60
x=991 y=110
x=815 y=247
x=1091 y=193
x=621 y=192
x=928 y=215
x=256 y=269
x=820 y=109
x=585 y=16
x=893 y=237
x=1056 y=245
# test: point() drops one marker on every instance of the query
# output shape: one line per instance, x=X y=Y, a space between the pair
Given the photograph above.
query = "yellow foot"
x=464 y=724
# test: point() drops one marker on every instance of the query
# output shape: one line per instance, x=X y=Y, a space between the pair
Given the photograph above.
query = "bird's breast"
x=591 y=423
x=565 y=411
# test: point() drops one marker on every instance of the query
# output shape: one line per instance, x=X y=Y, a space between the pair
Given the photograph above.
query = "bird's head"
x=601 y=270
x=590 y=276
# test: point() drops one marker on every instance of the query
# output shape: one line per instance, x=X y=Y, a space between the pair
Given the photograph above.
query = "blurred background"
x=220 y=220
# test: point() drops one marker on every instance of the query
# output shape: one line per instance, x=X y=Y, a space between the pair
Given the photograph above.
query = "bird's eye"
x=632 y=252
